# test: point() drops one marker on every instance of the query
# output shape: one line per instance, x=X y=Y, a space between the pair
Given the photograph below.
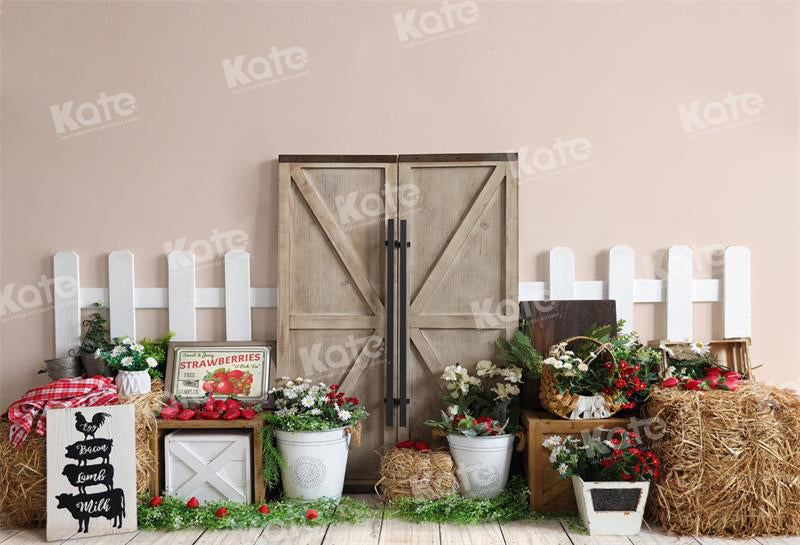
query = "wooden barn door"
x=332 y=310
x=461 y=226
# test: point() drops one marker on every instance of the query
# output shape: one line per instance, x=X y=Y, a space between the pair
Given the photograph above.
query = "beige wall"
x=197 y=157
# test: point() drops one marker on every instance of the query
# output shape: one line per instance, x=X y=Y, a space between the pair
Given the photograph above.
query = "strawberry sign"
x=235 y=369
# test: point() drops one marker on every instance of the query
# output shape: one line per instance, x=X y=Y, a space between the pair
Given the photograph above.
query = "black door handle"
x=403 y=296
x=390 y=244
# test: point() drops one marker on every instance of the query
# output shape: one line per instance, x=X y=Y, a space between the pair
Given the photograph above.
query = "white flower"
x=562 y=469
x=137 y=347
x=557 y=365
x=307 y=402
x=552 y=442
x=582 y=367
x=449 y=373
x=127 y=340
x=485 y=367
x=289 y=383
x=592 y=355
x=152 y=362
x=567 y=366
x=97 y=353
x=504 y=391
x=701 y=348
x=344 y=415
x=126 y=361
x=291 y=411
x=453 y=410
x=554 y=454
x=117 y=350
x=550 y=361
x=315 y=411
x=290 y=394
x=511 y=374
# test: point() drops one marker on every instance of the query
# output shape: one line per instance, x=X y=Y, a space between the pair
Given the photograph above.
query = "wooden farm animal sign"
x=91 y=471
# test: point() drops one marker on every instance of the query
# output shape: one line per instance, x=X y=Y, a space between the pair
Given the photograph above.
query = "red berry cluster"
x=224 y=382
x=212 y=409
x=624 y=377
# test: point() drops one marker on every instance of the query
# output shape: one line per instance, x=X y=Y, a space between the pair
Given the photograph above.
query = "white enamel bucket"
x=482 y=463
x=315 y=462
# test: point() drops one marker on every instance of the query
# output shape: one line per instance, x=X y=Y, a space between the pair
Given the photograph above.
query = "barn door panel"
x=462 y=268
x=332 y=270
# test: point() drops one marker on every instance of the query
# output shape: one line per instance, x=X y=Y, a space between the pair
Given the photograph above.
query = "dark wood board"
x=554 y=321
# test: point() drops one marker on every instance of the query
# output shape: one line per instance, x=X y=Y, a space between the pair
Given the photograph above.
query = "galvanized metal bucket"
x=59 y=368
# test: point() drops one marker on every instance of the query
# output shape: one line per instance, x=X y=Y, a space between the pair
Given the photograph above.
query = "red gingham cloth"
x=61 y=394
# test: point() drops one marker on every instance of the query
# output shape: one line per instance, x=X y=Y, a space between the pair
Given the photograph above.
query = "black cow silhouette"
x=109 y=504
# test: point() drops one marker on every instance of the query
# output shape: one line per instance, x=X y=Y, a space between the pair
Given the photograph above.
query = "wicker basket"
x=574 y=406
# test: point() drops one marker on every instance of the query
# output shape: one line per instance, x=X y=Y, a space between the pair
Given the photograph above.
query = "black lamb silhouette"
x=90 y=428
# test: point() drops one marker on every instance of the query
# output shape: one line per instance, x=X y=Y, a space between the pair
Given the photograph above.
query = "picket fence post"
x=121 y=295
x=181 y=297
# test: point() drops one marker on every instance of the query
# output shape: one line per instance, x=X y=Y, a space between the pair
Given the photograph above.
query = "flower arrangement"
x=125 y=354
x=641 y=362
x=618 y=459
x=478 y=404
x=577 y=372
x=714 y=379
x=303 y=406
x=690 y=360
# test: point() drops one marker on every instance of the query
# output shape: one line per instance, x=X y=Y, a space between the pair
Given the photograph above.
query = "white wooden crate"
x=209 y=465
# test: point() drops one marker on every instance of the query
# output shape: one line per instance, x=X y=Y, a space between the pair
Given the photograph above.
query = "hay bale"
x=420 y=474
x=23 y=470
x=730 y=461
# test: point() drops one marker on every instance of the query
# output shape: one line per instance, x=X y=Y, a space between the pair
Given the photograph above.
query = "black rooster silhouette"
x=90 y=428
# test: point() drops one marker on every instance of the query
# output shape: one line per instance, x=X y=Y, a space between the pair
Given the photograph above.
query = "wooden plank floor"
x=387 y=531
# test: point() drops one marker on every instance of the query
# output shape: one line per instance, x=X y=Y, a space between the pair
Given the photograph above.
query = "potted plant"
x=611 y=479
x=134 y=367
x=313 y=426
x=519 y=351
x=476 y=421
x=95 y=341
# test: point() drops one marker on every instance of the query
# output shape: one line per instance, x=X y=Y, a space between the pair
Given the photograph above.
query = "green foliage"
x=520 y=351
x=513 y=504
x=272 y=459
x=303 y=406
x=157 y=348
x=173 y=514
x=96 y=336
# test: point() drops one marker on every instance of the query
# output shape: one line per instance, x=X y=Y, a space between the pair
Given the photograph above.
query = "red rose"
x=311 y=514
x=670 y=382
x=484 y=420
x=334 y=386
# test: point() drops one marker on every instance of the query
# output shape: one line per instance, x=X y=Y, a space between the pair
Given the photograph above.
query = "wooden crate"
x=253 y=427
x=211 y=465
x=733 y=354
x=548 y=491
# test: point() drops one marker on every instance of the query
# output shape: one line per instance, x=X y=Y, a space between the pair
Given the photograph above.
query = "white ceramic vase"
x=482 y=463
x=611 y=508
x=315 y=462
x=133 y=382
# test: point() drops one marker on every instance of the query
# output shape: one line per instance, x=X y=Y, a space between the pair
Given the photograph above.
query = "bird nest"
x=428 y=474
x=23 y=470
x=731 y=461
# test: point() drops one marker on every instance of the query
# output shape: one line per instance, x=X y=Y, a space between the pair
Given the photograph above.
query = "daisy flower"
x=315 y=411
x=344 y=415
x=562 y=469
x=701 y=348
x=307 y=402
x=126 y=361
x=152 y=362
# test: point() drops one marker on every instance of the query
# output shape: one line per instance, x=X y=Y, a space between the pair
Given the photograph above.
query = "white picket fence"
x=182 y=298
